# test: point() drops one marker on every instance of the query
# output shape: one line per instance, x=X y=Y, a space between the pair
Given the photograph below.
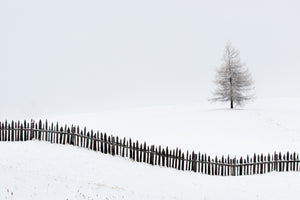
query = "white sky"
x=60 y=56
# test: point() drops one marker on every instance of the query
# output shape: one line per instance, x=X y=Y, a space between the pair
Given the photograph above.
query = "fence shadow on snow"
x=154 y=155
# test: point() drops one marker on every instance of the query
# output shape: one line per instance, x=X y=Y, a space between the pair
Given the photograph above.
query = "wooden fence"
x=154 y=155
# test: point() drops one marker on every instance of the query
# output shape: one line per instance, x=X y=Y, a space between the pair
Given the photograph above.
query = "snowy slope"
x=39 y=170
x=264 y=126
x=42 y=171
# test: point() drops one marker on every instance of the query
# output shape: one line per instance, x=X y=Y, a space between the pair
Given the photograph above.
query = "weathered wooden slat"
x=127 y=149
x=95 y=142
x=87 y=144
x=133 y=151
x=92 y=139
x=137 y=150
x=173 y=158
x=109 y=145
x=148 y=154
x=130 y=148
x=194 y=162
x=187 y=161
x=182 y=161
x=179 y=158
x=208 y=166
x=152 y=155
x=105 y=143
x=9 y=133
x=117 y=145
x=155 y=156
x=163 y=153
x=294 y=162
x=123 y=147
x=141 y=153
x=217 y=166
x=167 y=157
x=288 y=163
x=159 y=154
x=113 y=152
x=12 y=131
x=145 y=154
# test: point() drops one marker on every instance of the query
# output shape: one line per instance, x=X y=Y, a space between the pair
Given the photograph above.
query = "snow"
x=40 y=170
x=265 y=126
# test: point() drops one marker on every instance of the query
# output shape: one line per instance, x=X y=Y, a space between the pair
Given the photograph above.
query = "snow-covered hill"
x=264 y=126
x=42 y=171
x=37 y=170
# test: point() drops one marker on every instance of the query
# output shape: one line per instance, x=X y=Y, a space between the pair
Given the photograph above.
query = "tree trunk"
x=231 y=104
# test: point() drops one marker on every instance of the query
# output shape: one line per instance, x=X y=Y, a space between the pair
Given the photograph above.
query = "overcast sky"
x=61 y=56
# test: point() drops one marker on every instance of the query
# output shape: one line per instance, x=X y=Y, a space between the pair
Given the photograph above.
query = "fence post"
x=145 y=153
x=137 y=151
x=194 y=162
x=179 y=159
x=1 y=131
x=182 y=162
x=152 y=154
x=117 y=145
x=39 y=132
x=294 y=161
x=31 y=130
x=12 y=132
x=113 y=145
x=159 y=154
x=288 y=162
x=73 y=135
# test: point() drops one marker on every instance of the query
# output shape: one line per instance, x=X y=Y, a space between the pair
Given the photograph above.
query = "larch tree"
x=233 y=80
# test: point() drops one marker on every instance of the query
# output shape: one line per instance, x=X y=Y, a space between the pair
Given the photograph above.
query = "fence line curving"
x=154 y=155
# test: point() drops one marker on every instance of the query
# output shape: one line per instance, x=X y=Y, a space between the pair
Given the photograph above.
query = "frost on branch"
x=233 y=81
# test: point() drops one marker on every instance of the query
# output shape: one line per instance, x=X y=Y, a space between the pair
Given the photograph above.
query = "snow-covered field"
x=39 y=170
x=264 y=126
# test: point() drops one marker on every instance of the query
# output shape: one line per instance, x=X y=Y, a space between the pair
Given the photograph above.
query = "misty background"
x=63 y=56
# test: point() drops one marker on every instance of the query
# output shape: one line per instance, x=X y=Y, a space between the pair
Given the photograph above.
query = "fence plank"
x=130 y=148
x=117 y=145
x=52 y=136
x=152 y=155
x=208 y=165
x=145 y=154
x=123 y=147
x=155 y=156
x=294 y=162
x=163 y=157
x=1 y=131
x=105 y=143
x=141 y=152
x=159 y=154
x=297 y=163
x=187 y=162
x=133 y=151
x=182 y=162
x=95 y=141
x=148 y=155
x=12 y=132
x=137 y=151
x=217 y=166
x=178 y=159
x=194 y=163
x=109 y=145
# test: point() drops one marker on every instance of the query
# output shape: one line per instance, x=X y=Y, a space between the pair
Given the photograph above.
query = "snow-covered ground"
x=40 y=171
x=264 y=126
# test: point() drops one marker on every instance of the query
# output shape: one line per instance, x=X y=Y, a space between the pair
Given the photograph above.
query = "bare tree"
x=233 y=80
